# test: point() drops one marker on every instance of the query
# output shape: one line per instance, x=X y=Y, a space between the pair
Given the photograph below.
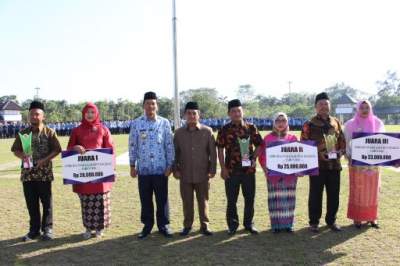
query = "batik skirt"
x=96 y=210
x=281 y=203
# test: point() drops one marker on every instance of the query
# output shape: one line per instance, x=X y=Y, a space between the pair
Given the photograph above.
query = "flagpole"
x=176 y=90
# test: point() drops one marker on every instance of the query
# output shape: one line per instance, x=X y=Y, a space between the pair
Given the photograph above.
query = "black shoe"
x=252 y=230
x=166 y=232
x=206 y=232
x=47 y=235
x=357 y=225
x=289 y=230
x=185 y=231
x=335 y=228
x=30 y=236
x=144 y=234
x=314 y=228
x=374 y=225
x=276 y=231
x=232 y=231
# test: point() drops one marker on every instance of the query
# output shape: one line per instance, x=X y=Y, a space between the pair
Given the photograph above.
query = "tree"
x=245 y=93
x=264 y=101
x=336 y=91
x=388 y=92
x=166 y=108
x=132 y=110
x=104 y=109
x=214 y=105
x=301 y=111
x=210 y=103
x=297 y=98
x=390 y=86
x=8 y=98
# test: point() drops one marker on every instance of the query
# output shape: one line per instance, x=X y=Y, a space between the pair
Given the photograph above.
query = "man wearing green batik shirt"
x=36 y=146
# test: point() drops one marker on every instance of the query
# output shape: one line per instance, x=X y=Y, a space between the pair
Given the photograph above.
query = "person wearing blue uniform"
x=151 y=156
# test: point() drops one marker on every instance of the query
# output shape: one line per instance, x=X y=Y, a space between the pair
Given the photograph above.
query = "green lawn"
x=121 y=246
x=393 y=128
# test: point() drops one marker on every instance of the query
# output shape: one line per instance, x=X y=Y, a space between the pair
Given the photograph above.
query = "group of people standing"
x=191 y=156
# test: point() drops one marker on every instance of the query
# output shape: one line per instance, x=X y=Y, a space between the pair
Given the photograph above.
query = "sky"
x=87 y=50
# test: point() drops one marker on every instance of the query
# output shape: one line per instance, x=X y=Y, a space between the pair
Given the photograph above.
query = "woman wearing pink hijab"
x=364 y=180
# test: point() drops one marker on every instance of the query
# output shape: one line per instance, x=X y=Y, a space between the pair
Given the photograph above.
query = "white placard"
x=94 y=166
x=288 y=158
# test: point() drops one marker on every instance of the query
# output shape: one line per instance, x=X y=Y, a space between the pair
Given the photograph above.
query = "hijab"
x=369 y=124
x=275 y=130
x=96 y=122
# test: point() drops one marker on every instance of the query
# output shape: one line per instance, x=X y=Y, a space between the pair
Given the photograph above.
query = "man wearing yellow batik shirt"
x=36 y=146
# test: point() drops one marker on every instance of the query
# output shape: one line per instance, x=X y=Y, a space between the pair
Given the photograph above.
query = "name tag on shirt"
x=246 y=163
x=332 y=155
x=143 y=134
x=27 y=162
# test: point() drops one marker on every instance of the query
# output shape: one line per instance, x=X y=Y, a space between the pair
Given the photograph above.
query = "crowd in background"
x=9 y=130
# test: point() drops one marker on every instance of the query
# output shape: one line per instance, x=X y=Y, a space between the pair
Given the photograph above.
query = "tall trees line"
x=212 y=104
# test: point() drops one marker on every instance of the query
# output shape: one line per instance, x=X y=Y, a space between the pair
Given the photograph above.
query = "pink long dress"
x=364 y=185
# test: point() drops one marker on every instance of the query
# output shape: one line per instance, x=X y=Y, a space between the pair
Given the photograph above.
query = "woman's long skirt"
x=281 y=204
x=96 y=210
x=364 y=193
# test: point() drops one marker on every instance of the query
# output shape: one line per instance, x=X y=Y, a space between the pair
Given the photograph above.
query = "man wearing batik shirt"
x=327 y=132
x=37 y=170
x=238 y=165
x=151 y=155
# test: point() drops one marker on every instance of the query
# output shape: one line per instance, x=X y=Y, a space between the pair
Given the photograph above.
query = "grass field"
x=121 y=246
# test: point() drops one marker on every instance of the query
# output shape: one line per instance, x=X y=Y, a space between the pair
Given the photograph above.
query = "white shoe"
x=29 y=237
x=87 y=234
x=99 y=233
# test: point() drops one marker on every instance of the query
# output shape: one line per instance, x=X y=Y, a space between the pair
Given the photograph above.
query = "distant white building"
x=10 y=111
x=345 y=107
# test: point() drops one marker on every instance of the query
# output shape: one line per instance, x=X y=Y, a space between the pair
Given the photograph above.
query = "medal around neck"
x=245 y=151
x=26 y=142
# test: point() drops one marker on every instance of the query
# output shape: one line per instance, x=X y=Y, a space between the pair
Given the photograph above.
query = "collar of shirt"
x=320 y=122
x=197 y=127
x=328 y=119
x=146 y=118
x=235 y=125
x=37 y=129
